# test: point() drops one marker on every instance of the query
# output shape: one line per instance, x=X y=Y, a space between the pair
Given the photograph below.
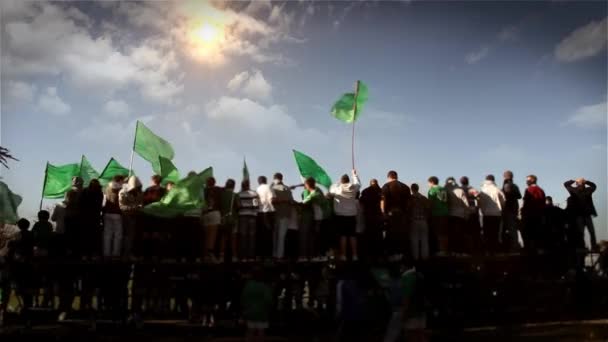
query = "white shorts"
x=212 y=218
x=257 y=325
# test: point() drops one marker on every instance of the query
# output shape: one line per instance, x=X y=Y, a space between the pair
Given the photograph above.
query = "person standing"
x=418 y=214
x=491 y=203
x=395 y=198
x=439 y=215
x=112 y=219
x=283 y=203
x=58 y=243
x=73 y=216
x=266 y=218
x=371 y=198
x=583 y=208
x=472 y=231
x=249 y=203
x=256 y=301
x=344 y=197
x=228 y=227
x=458 y=209
x=91 y=203
x=532 y=214
x=130 y=200
x=211 y=218
x=510 y=212
x=315 y=210
x=43 y=231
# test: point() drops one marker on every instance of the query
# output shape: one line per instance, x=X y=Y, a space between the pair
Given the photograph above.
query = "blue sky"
x=458 y=88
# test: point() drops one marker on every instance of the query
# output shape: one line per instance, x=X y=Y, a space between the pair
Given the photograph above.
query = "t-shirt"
x=256 y=301
x=42 y=233
x=229 y=205
x=370 y=200
x=283 y=200
x=412 y=284
x=249 y=203
x=439 y=201
x=512 y=196
x=213 y=198
x=396 y=196
x=315 y=204
x=266 y=195
x=534 y=201
x=153 y=194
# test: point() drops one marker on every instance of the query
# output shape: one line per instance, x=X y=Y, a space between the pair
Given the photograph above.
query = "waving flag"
x=87 y=172
x=8 y=204
x=113 y=168
x=309 y=168
x=150 y=146
x=58 y=179
x=349 y=106
x=168 y=171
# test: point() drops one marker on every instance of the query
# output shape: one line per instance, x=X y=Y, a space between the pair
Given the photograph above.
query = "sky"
x=455 y=88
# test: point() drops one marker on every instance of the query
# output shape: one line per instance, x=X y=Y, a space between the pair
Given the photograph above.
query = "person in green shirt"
x=256 y=303
x=315 y=210
x=439 y=214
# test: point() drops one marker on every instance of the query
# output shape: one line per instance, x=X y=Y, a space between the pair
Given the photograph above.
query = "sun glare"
x=208 y=33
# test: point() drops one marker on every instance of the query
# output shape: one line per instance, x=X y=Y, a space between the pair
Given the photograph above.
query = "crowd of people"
x=347 y=222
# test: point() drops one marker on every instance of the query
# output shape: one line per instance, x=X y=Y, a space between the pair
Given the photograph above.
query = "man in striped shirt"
x=249 y=203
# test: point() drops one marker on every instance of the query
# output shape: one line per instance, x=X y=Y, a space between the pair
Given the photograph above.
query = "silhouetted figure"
x=266 y=217
x=90 y=205
x=491 y=202
x=112 y=219
x=472 y=230
x=212 y=218
x=344 y=197
x=372 y=213
x=249 y=203
x=22 y=249
x=532 y=213
x=130 y=199
x=58 y=216
x=582 y=207
x=256 y=303
x=228 y=228
x=73 y=216
x=418 y=214
x=154 y=192
x=351 y=306
x=43 y=233
x=555 y=231
x=439 y=216
x=395 y=199
x=510 y=212
x=154 y=236
x=458 y=209
x=283 y=203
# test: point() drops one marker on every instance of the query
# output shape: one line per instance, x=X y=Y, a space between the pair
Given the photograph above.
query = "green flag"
x=168 y=171
x=309 y=168
x=113 y=168
x=150 y=146
x=184 y=197
x=87 y=172
x=58 y=179
x=349 y=106
x=8 y=205
x=245 y=170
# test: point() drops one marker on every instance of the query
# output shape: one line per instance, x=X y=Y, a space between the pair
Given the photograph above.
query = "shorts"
x=346 y=225
x=212 y=218
x=257 y=325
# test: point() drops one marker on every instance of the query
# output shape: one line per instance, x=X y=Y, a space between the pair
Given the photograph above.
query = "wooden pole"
x=46 y=169
x=133 y=150
x=352 y=145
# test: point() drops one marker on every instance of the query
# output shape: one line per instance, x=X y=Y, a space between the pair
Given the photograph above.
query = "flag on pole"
x=58 y=179
x=150 y=146
x=113 y=168
x=309 y=168
x=349 y=106
x=245 y=170
x=168 y=171
x=184 y=197
x=8 y=205
x=87 y=172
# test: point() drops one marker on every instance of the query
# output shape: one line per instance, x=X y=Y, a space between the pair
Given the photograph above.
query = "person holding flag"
x=344 y=196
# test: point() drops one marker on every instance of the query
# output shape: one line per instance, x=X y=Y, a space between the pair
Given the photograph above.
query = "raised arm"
x=592 y=186
x=568 y=185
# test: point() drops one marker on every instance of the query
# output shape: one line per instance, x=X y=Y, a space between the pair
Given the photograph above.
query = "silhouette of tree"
x=5 y=155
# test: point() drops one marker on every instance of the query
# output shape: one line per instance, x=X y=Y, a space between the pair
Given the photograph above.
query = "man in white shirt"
x=345 y=203
x=491 y=202
x=265 y=217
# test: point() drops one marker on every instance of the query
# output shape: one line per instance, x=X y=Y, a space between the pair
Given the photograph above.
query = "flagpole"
x=352 y=145
x=133 y=149
x=46 y=173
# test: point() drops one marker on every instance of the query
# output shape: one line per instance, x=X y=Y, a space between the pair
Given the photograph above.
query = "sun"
x=208 y=33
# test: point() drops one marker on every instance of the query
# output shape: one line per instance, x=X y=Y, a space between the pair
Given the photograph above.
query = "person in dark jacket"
x=43 y=231
x=90 y=206
x=372 y=213
x=532 y=213
x=395 y=199
x=73 y=216
x=555 y=227
x=582 y=208
x=510 y=212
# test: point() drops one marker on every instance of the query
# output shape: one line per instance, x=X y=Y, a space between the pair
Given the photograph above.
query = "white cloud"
x=584 y=42
x=509 y=33
x=116 y=108
x=51 y=102
x=252 y=84
x=593 y=116
x=20 y=92
x=477 y=55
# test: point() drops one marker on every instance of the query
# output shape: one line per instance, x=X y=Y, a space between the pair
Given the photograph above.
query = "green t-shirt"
x=256 y=301
x=439 y=201
x=316 y=206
